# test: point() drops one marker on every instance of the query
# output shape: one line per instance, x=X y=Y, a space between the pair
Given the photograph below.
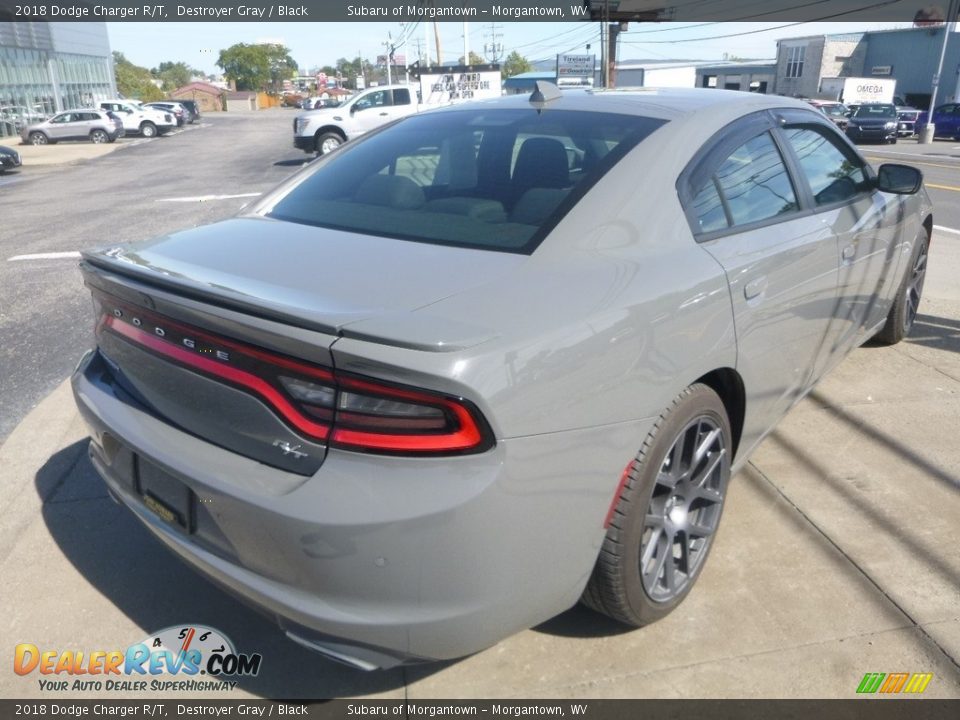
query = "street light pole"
x=926 y=134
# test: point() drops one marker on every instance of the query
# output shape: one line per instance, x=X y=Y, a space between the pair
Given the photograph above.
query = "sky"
x=316 y=44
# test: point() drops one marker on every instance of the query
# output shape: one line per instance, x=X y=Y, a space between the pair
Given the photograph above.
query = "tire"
x=99 y=136
x=148 y=130
x=903 y=312
x=328 y=142
x=38 y=138
x=665 y=486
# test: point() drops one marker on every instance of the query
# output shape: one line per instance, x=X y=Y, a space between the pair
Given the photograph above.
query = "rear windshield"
x=494 y=179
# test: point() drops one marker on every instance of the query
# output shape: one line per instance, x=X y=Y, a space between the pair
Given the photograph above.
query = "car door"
x=780 y=261
x=372 y=110
x=866 y=223
x=61 y=126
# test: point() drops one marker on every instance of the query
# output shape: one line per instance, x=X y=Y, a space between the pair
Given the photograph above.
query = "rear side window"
x=834 y=175
x=498 y=179
x=751 y=185
x=401 y=97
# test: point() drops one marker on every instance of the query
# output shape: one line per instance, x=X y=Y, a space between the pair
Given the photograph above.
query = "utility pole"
x=927 y=133
x=493 y=50
x=389 y=45
x=436 y=37
x=466 y=43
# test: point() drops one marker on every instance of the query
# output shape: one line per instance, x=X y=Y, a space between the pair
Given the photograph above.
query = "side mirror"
x=899 y=179
x=353 y=108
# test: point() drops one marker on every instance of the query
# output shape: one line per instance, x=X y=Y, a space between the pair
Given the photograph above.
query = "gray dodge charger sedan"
x=491 y=360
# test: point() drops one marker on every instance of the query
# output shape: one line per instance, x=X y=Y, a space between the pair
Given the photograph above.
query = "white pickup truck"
x=320 y=131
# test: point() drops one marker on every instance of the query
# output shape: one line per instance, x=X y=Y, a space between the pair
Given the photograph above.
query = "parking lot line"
x=941 y=228
x=71 y=254
x=943 y=187
x=205 y=198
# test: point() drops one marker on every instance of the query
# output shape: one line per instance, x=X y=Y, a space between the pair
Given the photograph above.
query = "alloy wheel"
x=914 y=288
x=685 y=509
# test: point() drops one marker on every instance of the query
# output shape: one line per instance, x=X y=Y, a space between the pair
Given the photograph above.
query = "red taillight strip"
x=232 y=374
x=468 y=436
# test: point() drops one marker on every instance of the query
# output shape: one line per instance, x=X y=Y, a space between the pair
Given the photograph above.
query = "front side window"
x=496 y=179
x=834 y=175
x=752 y=184
x=374 y=99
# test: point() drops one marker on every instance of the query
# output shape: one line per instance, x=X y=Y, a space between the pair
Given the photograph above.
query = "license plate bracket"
x=165 y=496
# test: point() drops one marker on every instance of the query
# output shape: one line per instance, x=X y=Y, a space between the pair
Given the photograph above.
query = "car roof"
x=663 y=103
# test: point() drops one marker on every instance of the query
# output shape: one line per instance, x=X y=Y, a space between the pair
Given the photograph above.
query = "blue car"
x=946 y=119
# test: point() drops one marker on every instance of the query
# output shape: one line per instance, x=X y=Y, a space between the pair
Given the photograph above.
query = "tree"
x=257 y=67
x=174 y=74
x=474 y=59
x=134 y=81
x=515 y=64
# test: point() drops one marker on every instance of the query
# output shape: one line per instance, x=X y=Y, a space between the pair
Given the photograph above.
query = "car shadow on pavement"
x=293 y=163
x=930 y=331
x=582 y=622
x=156 y=590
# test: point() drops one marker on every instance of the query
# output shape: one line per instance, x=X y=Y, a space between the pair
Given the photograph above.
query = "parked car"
x=9 y=159
x=320 y=103
x=97 y=126
x=837 y=112
x=875 y=122
x=946 y=120
x=194 y=107
x=139 y=120
x=489 y=360
x=179 y=112
x=907 y=121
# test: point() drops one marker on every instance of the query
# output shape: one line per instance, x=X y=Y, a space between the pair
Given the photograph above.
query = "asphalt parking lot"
x=837 y=555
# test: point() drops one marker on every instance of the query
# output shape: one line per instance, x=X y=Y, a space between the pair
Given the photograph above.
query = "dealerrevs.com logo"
x=176 y=659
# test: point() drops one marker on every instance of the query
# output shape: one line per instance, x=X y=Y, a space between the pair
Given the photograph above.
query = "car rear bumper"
x=380 y=559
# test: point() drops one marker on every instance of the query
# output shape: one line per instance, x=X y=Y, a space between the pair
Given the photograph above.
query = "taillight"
x=343 y=409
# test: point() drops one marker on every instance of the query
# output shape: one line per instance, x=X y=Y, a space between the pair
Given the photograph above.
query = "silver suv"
x=97 y=126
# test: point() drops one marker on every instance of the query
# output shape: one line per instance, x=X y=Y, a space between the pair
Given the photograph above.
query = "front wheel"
x=148 y=130
x=328 y=142
x=664 y=521
x=38 y=138
x=99 y=136
x=903 y=312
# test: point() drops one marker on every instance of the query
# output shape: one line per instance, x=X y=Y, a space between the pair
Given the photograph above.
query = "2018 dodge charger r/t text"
x=492 y=359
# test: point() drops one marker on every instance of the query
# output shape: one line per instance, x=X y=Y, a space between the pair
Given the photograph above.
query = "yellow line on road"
x=908 y=162
x=942 y=187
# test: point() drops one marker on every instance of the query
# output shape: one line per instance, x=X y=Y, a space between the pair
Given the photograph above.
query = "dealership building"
x=46 y=67
x=908 y=55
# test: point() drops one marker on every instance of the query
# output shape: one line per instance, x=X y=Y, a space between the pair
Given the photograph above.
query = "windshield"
x=834 y=110
x=875 y=111
x=496 y=179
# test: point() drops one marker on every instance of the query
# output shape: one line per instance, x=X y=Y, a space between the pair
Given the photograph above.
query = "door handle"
x=754 y=288
x=848 y=253
x=383 y=114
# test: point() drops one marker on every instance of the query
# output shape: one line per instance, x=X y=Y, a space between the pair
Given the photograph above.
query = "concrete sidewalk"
x=838 y=556
x=64 y=153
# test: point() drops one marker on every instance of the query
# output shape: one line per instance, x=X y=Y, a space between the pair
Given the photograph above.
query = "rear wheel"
x=667 y=514
x=328 y=142
x=903 y=312
x=38 y=138
x=99 y=136
x=148 y=130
